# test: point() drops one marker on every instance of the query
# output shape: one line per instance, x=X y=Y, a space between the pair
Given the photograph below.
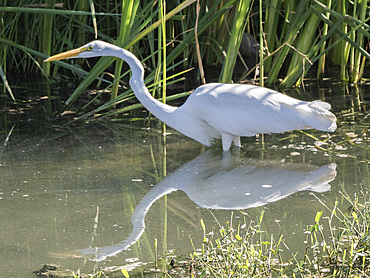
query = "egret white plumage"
x=218 y=110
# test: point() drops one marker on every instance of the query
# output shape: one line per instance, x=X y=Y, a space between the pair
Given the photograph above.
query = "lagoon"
x=92 y=195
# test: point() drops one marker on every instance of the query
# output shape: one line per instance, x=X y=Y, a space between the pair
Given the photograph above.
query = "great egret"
x=218 y=110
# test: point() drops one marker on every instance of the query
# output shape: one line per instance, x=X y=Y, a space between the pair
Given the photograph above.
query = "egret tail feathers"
x=317 y=115
x=320 y=105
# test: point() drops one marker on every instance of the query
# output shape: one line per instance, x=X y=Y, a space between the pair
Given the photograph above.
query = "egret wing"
x=245 y=110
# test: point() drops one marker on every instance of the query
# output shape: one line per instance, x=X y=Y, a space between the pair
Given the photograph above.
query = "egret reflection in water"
x=227 y=183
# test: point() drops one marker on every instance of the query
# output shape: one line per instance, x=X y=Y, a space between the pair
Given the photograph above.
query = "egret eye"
x=87 y=48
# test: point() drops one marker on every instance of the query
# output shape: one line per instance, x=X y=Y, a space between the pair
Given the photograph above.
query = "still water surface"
x=99 y=195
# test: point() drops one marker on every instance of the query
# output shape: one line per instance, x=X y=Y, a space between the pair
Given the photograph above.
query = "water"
x=65 y=192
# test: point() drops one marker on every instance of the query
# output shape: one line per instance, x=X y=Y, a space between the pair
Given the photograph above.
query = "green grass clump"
x=240 y=251
x=344 y=249
x=338 y=248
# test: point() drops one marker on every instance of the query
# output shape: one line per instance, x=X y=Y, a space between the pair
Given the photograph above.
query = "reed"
x=335 y=39
x=338 y=248
x=47 y=35
x=356 y=72
x=321 y=63
x=300 y=17
x=129 y=9
x=292 y=38
x=135 y=36
x=237 y=31
x=6 y=83
x=261 y=64
x=163 y=30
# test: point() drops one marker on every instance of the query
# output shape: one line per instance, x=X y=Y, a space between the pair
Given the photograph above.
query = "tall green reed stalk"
x=47 y=35
x=340 y=53
x=162 y=30
x=356 y=72
x=237 y=31
x=261 y=65
x=321 y=65
x=129 y=9
x=296 y=23
x=271 y=26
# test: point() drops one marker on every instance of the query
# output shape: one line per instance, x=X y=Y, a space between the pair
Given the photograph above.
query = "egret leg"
x=226 y=160
x=236 y=141
x=227 y=138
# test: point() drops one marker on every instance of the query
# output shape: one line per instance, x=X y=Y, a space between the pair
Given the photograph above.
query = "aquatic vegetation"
x=343 y=251
x=337 y=245
x=338 y=248
x=240 y=250
x=292 y=40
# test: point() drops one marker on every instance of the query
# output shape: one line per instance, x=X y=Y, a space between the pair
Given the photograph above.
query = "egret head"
x=91 y=49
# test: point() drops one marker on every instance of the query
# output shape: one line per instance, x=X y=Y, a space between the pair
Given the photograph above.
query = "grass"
x=344 y=251
x=237 y=31
x=294 y=40
x=337 y=245
x=237 y=250
x=338 y=248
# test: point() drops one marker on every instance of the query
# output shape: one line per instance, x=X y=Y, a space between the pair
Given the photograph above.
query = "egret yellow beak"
x=67 y=54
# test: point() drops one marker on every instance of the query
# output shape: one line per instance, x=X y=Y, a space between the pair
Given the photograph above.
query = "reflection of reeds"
x=293 y=37
x=2 y=148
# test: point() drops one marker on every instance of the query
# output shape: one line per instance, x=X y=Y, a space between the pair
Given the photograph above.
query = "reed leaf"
x=82 y=20
x=104 y=62
x=271 y=25
x=301 y=16
x=298 y=71
x=51 y=11
x=93 y=16
x=6 y=84
x=350 y=20
x=46 y=36
x=321 y=65
x=236 y=36
x=261 y=65
x=355 y=77
x=344 y=36
x=162 y=44
x=203 y=25
x=304 y=41
x=129 y=9
x=28 y=51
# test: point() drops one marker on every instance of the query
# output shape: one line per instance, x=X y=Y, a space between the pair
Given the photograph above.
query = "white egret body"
x=218 y=110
